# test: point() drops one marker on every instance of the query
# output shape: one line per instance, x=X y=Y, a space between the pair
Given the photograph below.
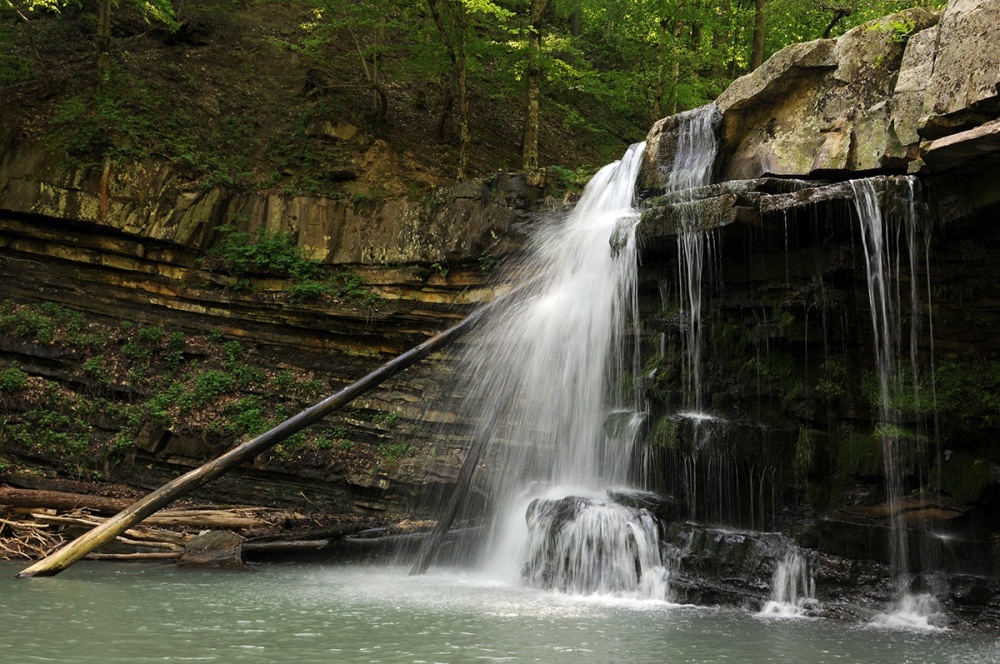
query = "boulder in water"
x=214 y=548
x=594 y=545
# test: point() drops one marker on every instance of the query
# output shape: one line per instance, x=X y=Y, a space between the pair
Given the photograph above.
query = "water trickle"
x=793 y=589
x=881 y=242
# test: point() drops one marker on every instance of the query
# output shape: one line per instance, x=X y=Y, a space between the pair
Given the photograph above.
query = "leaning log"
x=200 y=476
x=429 y=547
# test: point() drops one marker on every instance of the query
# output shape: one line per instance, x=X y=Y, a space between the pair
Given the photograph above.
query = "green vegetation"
x=243 y=254
x=388 y=419
x=965 y=478
x=570 y=179
x=139 y=379
x=832 y=378
x=532 y=81
x=805 y=453
x=487 y=261
x=664 y=434
x=899 y=31
x=12 y=380
x=394 y=451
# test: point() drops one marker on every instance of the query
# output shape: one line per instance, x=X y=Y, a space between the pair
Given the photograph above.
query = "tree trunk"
x=29 y=30
x=453 y=34
x=757 y=54
x=103 y=44
x=675 y=71
x=575 y=22
x=464 y=133
x=721 y=35
x=533 y=77
x=838 y=15
x=446 y=110
x=200 y=476
x=661 y=62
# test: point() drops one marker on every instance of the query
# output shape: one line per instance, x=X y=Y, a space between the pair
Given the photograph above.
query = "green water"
x=307 y=613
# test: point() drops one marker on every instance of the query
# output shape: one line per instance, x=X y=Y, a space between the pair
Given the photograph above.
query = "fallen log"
x=132 y=557
x=31 y=501
x=142 y=533
x=208 y=520
x=62 y=501
x=198 y=477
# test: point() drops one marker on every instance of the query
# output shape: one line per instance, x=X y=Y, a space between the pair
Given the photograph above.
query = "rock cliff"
x=907 y=108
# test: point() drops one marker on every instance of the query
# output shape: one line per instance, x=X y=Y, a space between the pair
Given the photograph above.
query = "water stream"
x=793 y=588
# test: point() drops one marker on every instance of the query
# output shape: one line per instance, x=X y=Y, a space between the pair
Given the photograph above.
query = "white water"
x=793 y=589
x=591 y=545
x=560 y=366
x=552 y=368
x=881 y=243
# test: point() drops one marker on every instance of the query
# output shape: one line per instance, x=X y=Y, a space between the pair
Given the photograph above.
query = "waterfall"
x=554 y=373
x=881 y=244
x=697 y=146
x=593 y=545
x=793 y=589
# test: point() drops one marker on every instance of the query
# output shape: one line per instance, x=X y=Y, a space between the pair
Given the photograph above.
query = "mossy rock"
x=966 y=478
x=859 y=455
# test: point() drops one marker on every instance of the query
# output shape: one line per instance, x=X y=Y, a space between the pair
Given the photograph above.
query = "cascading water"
x=553 y=371
x=573 y=404
x=793 y=589
x=881 y=245
x=692 y=168
x=591 y=545
x=697 y=146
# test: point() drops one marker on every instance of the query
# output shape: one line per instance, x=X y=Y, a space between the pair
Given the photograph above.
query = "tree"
x=159 y=10
x=759 y=24
x=452 y=24
x=533 y=79
x=24 y=8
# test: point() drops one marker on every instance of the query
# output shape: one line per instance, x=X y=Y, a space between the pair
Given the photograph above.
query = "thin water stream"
x=107 y=613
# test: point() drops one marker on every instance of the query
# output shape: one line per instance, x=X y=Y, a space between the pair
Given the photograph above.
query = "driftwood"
x=80 y=547
x=37 y=534
x=28 y=530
